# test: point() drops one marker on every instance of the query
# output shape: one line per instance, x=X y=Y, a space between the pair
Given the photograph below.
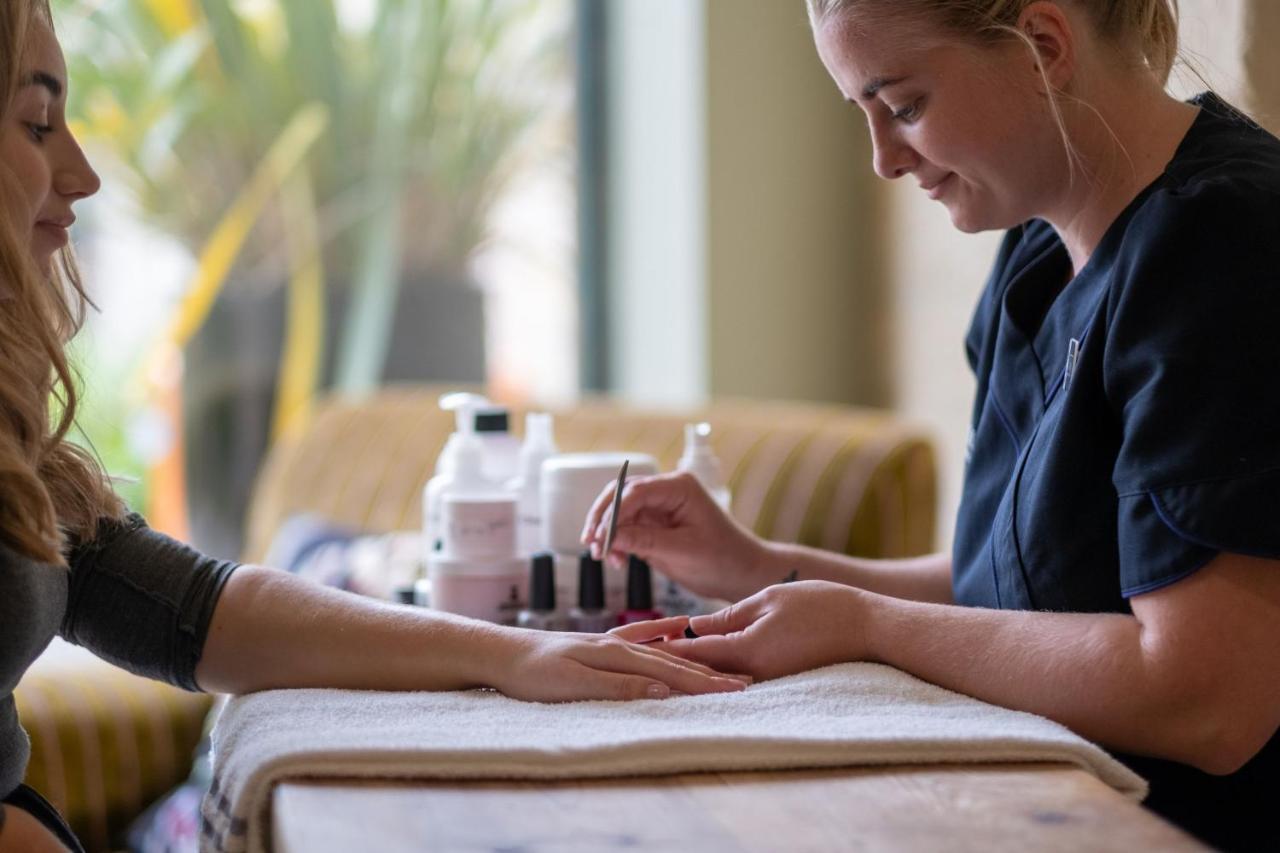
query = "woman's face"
x=37 y=145
x=966 y=121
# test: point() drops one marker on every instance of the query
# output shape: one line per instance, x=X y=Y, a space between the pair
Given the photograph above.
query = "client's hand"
x=555 y=667
x=780 y=630
x=670 y=522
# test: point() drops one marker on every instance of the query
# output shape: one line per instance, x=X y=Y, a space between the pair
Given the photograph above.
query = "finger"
x=654 y=629
x=660 y=494
x=658 y=648
x=594 y=515
x=593 y=683
x=721 y=653
x=659 y=545
x=736 y=617
x=676 y=674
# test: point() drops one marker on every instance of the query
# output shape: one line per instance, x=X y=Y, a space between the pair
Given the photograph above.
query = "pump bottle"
x=460 y=469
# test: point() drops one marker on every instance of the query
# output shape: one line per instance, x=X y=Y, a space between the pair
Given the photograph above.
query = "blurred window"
x=309 y=195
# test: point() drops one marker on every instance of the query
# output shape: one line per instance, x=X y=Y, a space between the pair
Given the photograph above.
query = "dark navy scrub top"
x=1127 y=421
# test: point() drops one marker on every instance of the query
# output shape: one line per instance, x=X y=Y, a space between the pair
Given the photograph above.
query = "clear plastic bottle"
x=700 y=460
x=539 y=445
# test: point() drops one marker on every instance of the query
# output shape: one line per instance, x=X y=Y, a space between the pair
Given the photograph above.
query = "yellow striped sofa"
x=105 y=743
x=858 y=481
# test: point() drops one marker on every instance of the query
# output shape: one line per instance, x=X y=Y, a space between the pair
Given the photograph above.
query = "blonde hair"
x=50 y=489
x=1150 y=25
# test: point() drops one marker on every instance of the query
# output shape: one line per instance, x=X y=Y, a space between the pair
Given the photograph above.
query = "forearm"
x=1097 y=674
x=273 y=630
x=926 y=579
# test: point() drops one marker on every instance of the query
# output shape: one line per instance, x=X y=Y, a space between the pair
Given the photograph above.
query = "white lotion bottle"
x=492 y=422
x=460 y=471
x=539 y=445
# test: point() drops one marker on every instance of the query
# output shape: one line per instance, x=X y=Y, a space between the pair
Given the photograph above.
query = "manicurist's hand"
x=554 y=667
x=670 y=522
x=783 y=629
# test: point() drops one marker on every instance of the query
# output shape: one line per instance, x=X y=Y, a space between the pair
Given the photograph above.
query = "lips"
x=939 y=186
x=56 y=229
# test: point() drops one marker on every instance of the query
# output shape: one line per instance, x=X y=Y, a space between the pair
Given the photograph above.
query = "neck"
x=1124 y=139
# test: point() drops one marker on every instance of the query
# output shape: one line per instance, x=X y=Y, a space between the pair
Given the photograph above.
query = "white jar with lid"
x=570 y=484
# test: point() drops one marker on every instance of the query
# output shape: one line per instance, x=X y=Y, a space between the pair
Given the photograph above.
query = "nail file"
x=617 y=503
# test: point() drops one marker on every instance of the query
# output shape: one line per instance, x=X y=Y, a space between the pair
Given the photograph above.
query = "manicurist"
x=1116 y=559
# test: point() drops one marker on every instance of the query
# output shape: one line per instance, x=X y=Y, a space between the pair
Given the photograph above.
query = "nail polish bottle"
x=639 y=593
x=590 y=616
x=541 y=612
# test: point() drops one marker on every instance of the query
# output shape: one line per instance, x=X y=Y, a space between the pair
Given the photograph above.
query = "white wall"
x=656 y=234
x=740 y=227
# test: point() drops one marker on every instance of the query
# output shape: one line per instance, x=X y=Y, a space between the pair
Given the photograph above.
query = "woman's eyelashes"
x=39 y=131
x=909 y=113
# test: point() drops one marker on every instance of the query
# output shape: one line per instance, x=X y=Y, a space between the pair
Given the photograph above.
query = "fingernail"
x=732 y=685
x=658 y=691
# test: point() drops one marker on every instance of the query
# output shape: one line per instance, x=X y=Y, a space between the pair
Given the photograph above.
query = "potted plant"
x=332 y=164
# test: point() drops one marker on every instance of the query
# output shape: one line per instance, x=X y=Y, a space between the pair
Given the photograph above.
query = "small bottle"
x=541 y=613
x=589 y=616
x=639 y=593
x=539 y=445
x=492 y=426
x=700 y=460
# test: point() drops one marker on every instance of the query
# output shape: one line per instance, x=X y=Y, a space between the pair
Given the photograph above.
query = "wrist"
x=485 y=655
x=497 y=656
x=769 y=564
x=877 y=616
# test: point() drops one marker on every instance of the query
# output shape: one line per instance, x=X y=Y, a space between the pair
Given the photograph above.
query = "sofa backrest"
x=846 y=479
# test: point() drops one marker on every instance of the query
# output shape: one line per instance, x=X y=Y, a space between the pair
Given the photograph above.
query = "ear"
x=1051 y=30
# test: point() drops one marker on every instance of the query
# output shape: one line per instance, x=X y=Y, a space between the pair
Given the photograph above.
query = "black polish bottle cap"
x=542 y=583
x=639 y=585
x=590 y=583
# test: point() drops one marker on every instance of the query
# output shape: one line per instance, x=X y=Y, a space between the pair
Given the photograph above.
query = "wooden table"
x=968 y=807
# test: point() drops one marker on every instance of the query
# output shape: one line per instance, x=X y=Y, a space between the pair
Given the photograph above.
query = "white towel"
x=851 y=714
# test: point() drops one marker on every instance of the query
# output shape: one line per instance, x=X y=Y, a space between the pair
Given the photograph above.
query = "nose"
x=891 y=158
x=73 y=177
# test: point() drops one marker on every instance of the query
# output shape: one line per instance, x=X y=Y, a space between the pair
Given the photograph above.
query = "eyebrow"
x=44 y=78
x=871 y=89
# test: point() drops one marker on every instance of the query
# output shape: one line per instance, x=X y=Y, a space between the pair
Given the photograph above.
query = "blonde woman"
x=1116 y=564
x=72 y=561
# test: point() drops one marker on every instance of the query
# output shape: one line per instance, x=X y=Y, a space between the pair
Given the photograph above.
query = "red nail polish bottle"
x=639 y=593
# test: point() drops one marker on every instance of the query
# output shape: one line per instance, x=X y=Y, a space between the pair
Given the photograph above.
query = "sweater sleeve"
x=142 y=600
